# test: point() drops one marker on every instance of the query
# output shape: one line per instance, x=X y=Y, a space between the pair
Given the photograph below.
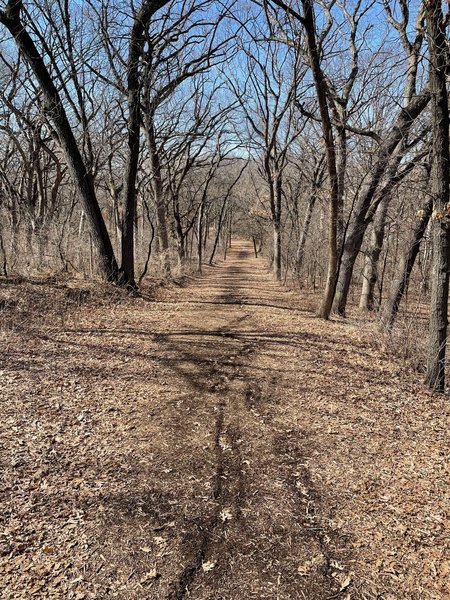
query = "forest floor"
x=216 y=441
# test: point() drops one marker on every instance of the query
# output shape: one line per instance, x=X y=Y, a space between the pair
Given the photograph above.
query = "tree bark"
x=370 y=274
x=219 y=230
x=136 y=48
x=327 y=130
x=401 y=280
x=277 y=191
x=201 y=214
x=161 y=212
x=300 y=256
x=440 y=181
x=277 y=250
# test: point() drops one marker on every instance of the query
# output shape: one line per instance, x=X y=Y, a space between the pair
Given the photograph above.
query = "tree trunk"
x=440 y=180
x=327 y=130
x=401 y=281
x=133 y=146
x=10 y=18
x=357 y=228
x=276 y=218
x=180 y=235
x=3 y=251
x=341 y=170
x=137 y=41
x=219 y=229
x=201 y=214
x=161 y=211
x=277 y=250
x=300 y=256
x=370 y=274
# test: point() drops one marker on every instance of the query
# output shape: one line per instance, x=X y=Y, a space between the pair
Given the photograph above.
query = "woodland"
x=136 y=142
x=224 y=223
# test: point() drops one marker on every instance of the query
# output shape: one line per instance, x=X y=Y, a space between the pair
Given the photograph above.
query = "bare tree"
x=10 y=17
x=390 y=144
x=401 y=280
x=141 y=23
x=440 y=182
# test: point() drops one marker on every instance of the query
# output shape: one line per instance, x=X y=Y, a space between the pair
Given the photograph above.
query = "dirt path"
x=222 y=444
x=258 y=524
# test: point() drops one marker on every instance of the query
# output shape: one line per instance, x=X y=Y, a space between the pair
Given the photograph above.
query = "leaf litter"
x=335 y=478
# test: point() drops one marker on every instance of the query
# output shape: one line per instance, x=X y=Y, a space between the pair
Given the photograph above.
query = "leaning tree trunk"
x=440 y=180
x=10 y=18
x=219 y=230
x=401 y=281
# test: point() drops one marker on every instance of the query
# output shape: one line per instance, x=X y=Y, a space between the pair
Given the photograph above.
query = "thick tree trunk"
x=137 y=41
x=401 y=281
x=321 y=91
x=133 y=146
x=10 y=18
x=440 y=180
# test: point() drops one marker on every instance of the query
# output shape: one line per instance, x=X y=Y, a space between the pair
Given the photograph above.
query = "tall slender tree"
x=440 y=181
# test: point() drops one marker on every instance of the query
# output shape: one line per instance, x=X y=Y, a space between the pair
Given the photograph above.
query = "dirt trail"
x=220 y=443
x=262 y=526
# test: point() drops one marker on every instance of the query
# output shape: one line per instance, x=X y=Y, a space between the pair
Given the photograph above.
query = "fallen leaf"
x=226 y=515
x=159 y=540
x=208 y=566
x=152 y=574
x=344 y=585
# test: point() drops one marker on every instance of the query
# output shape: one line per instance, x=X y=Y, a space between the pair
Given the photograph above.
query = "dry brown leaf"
x=151 y=574
x=208 y=566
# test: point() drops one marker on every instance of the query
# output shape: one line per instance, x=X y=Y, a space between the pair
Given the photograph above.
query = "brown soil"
x=217 y=443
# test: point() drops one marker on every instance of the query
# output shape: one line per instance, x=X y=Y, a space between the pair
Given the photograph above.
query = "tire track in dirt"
x=228 y=460
x=307 y=499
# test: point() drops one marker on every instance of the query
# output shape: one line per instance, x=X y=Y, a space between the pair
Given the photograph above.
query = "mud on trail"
x=218 y=443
